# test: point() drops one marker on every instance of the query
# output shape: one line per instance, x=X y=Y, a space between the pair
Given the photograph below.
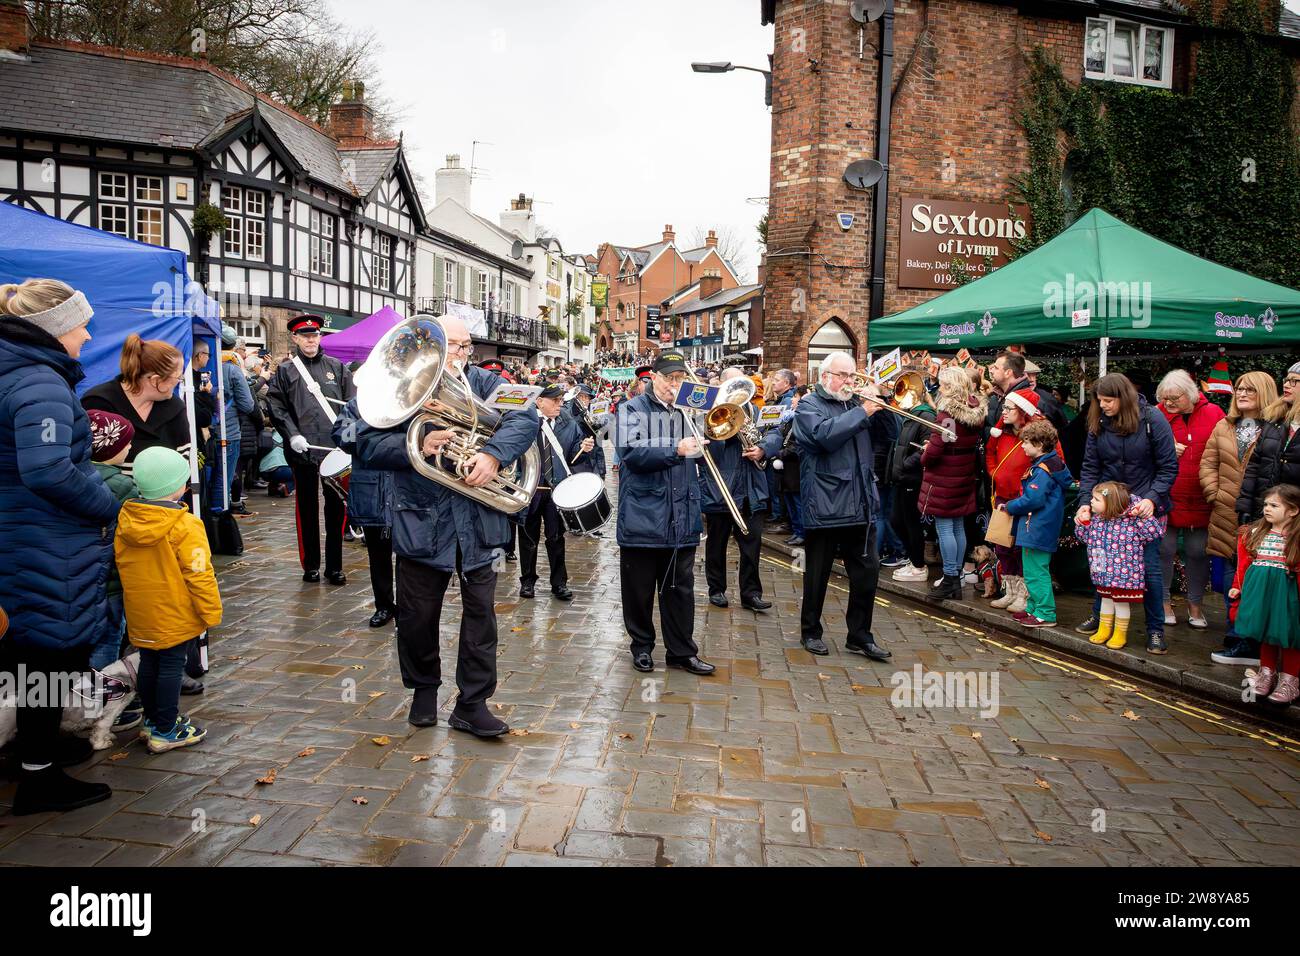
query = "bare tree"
x=730 y=246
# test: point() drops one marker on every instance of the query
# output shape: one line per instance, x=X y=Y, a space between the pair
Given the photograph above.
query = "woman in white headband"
x=56 y=521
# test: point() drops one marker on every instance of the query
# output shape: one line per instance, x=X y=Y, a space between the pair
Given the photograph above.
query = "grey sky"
x=589 y=107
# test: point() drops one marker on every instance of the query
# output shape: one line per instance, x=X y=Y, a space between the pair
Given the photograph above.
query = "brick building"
x=645 y=281
x=958 y=74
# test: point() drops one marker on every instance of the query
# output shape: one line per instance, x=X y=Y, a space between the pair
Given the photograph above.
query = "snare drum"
x=582 y=502
x=336 y=472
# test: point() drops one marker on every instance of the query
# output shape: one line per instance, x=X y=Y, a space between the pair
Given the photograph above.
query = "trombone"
x=907 y=392
x=725 y=419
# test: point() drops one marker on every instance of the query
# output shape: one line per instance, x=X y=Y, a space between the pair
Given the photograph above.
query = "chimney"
x=519 y=219
x=15 y=30
x=711 y=241
x=710 y=283
x=452 y=181
x=669 y=235
x=352 y=121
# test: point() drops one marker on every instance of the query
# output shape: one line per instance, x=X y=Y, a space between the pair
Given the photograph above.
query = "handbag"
x=223 y=533
x=999 y=529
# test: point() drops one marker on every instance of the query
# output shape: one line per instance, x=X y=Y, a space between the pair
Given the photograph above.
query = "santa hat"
x=1024 y=401
x=1219 y=380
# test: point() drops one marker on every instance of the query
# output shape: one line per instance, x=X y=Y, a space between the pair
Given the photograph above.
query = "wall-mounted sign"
x=600 y=293
x=934 y=232
x=652 y=321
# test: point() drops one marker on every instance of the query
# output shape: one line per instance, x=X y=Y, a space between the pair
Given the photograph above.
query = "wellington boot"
x=1104 y=629
x=1120 y=637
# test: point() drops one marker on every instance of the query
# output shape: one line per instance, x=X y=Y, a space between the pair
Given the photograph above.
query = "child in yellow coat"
x=169 y=590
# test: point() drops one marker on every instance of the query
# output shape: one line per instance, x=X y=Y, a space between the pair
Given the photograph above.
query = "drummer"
x=559 y=437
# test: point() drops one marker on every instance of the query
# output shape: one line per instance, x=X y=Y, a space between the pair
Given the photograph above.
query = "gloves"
x=778 y=465
x=298 y=444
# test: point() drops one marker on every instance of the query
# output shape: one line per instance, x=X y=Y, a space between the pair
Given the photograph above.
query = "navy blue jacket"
x=370 y=490
x=431 y=522
x=56 y=514
x=595 y=462
x=1040 y=509
x=659 y=491
x=746 y=480
x=835 y=466
x=1146 y=461
x=569 y=434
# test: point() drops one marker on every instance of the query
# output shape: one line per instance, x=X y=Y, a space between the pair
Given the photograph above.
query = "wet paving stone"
x=782 y=759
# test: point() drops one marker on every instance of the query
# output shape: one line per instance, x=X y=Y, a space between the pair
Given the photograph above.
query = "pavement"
x=1004 y=753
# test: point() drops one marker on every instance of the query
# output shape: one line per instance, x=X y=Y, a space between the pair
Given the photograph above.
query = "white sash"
x=314 y=387
x=549 y=433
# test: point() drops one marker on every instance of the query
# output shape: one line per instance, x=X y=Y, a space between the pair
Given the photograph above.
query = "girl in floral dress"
x=1115 y=536
x=1267 y=594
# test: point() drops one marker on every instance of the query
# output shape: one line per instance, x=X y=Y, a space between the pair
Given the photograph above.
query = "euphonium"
x=408 y=376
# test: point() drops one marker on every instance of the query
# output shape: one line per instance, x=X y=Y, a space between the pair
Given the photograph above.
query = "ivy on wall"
x=1215 y=171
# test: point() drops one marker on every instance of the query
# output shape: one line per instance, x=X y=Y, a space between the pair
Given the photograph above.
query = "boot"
x=1021 y=600
x=1263 y=683
x=1008 y=591
x=477 y=720
x=949 y=588
x=53 y=790
x=1288 y=689
x=1120 y=637
x=1105 y=627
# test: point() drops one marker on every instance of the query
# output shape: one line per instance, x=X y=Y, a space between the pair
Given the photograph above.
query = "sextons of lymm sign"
x=934 y=232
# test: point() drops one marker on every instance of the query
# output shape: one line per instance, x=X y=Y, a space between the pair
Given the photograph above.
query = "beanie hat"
x=1025 y=402
x=1294 y=369
x=72 y=313
x=1219 y=381
x=109 y=434
x=227 y=336
x=159 y=472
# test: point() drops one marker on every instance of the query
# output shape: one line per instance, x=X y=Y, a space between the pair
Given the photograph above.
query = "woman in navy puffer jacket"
x=56 y=526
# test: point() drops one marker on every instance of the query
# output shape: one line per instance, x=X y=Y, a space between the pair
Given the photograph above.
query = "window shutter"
x=460 y=282
x=437 y=277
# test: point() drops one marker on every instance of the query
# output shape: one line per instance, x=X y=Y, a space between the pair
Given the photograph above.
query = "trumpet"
x=905 y=390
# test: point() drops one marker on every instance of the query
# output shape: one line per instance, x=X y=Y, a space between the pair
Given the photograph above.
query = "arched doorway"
x=831 y=337
x=603 y=344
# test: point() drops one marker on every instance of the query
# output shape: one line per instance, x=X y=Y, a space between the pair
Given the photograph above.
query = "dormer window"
x=1128 y=52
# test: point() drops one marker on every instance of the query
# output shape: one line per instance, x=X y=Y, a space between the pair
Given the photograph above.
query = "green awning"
x=1100 y=277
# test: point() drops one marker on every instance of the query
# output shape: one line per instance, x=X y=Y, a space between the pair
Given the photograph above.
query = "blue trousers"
x=1153 y=603
x=219 y=481
x=159 y=684
x=794 y=506
x=890 y=543
x=952 y=544
x=108 y=649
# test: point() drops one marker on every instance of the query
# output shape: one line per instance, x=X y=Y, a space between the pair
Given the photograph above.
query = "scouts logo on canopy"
x=1268 y=320
x=988 y=322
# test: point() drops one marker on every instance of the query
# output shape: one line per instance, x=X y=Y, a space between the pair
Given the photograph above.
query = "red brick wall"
x=14 y=26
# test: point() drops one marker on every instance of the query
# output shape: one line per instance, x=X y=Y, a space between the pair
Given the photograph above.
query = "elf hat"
x=1219 y=380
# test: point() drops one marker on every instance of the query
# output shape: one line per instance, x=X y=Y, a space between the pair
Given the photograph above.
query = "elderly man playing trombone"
x=832 y=429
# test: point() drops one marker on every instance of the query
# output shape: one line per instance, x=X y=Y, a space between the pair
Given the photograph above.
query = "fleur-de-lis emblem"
x=1268 y=319
x=988 y=322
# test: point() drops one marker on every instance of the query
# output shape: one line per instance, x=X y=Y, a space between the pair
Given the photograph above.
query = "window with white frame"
x=449 y=279
x=113 y=208
x=381 y=259
x=245 y=234
x=1128 y=52
x=508 y=298
x=482 y=290
x=148 y=210
x=322 y=243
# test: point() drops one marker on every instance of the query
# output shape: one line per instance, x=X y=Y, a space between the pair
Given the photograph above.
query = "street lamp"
x=725 y=67
x=568 y=311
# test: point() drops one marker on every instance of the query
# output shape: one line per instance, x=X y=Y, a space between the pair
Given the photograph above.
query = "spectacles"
x=466 y=347
x=841 y=374
x=1246 y=390
x=1291 y=380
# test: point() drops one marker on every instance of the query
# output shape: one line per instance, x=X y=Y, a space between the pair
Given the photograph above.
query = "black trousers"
x=420 y=590
x=821 y=546
x=542 y=513
x=379 y=552
x=721 y=527
x=669 y=572
x=906 y=521
x=38 y=727
x=307 y=487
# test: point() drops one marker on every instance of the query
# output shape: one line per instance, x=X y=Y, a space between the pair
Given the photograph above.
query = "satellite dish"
x=865 y=11
x=517 y=250
x=864 y=173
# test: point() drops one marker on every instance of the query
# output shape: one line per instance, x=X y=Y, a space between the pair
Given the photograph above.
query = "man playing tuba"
x=438 y=532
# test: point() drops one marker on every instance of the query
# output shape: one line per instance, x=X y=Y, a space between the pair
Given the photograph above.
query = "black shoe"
x=424 y=707
x=870 y=649
x=563 y=592
x=795 y=541
x=755 y=604
x=511 y=556
x=189 y=686
x=337 y=578
x=815 y=645
x=1156 y=644
x=949 y=588
x=478 y=721
x=643 y=662
x=382 y=617
x=129 y=718
x=525 y=592
x=311 y=577
x=70 y=751
x=693 y=665
x=718 y=600
x=1240 y=651
x=52 y=790
x=1089 y=626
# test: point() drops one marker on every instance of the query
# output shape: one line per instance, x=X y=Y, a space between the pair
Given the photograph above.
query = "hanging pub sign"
x=934 y=232
x=600 y=293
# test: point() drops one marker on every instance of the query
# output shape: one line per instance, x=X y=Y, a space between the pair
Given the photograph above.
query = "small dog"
x=89 y=712
x=986 y=568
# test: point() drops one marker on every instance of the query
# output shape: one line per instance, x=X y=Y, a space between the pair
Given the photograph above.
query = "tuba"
x=408 y=376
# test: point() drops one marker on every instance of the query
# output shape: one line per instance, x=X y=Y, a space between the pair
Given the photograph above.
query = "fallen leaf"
x=1057 y=759
x=255 y=819
x=306 y=751
x=362 y=801
x=624 y=736
x=574 y=725
x=735 y=758
x=1131 y=716
x=976 y=735
x=1077 y=720
x=1043 y=836
x=232 y=657
x=1042 y=783
x=823 y=676
x=358 y=667
x=119 y=756
x=269 y=778
x=856 y=687
x=376 y=693
x=381 y=741
x=516 y=630
x=1015 y=740
x=419 y=758
x=518 y=732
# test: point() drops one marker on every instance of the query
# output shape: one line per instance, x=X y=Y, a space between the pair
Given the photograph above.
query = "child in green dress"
x=1268 y=595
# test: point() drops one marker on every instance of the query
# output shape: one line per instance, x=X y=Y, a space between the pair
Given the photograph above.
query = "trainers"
x=1237 y=651
x=182 y=734
x=146 y=728
x=1156 y=644
x=910 y=572
x=1089 y=626
x=130 y=717
x=893 y=561
x=1030 y=620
